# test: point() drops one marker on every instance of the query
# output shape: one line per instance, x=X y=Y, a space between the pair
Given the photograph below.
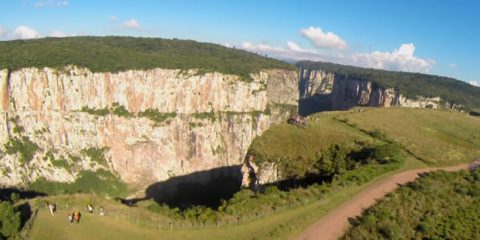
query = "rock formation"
x=320 y=91
x=144 y=125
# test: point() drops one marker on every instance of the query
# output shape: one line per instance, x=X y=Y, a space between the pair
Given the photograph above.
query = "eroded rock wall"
x=341 y=93
x=209 y=121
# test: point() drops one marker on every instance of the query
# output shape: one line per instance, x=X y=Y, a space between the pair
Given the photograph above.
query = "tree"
x=9 y=220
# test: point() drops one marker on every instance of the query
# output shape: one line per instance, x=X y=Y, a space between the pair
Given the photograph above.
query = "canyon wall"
x=324 y=91
x=320 y=91
x=144 y=125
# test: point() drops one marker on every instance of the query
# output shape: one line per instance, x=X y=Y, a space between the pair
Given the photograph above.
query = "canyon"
x=148 y=126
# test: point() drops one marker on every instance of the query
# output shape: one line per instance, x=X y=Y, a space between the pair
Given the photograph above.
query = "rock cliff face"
x=146 y=126
x=320 y=91
x=323 y=91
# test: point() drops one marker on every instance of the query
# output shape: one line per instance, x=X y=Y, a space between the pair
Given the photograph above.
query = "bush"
x=100 y=182
x=156 y=116
x=23 y=146
x=96 y=154
x=9 y=220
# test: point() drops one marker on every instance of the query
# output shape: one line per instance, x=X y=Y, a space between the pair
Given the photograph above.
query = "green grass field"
x=433 y=137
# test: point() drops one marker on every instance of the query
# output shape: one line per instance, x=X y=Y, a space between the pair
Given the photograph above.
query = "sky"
x=440 y=37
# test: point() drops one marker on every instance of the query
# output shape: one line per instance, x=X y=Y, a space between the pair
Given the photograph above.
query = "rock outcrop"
x=146 y=126
x=320 y=91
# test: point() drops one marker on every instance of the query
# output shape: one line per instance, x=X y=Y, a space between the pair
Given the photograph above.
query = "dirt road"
x=333 y=225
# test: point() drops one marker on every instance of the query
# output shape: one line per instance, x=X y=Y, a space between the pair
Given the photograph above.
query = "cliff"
x=144 y=125
x=321 y=90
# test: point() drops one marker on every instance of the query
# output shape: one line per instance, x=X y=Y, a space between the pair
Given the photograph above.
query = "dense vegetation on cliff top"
x=410 y=85
x=439 y=205
x=113 y=54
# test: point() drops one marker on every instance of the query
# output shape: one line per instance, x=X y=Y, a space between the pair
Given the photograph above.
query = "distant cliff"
x=327 y=86
x=321 y=91
x=144 y=125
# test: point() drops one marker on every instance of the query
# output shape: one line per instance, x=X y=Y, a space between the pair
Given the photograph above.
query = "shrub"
x=23 y=146
x=96 y=154
x=100 y=182
x=9 y=220
x=156 y=116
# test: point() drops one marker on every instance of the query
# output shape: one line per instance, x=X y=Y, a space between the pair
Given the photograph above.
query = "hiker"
x=102 y=211
x=77 y=216
x=90 y=209
x=70 y=217
x=52 y=208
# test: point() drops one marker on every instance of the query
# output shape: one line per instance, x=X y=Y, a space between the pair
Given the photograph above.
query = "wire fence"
x=162 y=222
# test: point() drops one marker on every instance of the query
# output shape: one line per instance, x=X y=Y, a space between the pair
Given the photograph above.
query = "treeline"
x=113 y=54
x=410 y=85
x=338 y=168
x=439 y=205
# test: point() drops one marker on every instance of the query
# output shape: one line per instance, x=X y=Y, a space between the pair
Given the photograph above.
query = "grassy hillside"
x=409 y=84
x=112 y=54
x=432 y=136
x=438 y=206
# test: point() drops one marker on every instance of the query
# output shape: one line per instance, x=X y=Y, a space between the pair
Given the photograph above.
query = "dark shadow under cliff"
x=6 y=194
x=206 y=188
x=314 y=104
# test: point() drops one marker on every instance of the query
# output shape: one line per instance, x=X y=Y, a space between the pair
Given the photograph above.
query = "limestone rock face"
x=344 y=93
x=209 y=121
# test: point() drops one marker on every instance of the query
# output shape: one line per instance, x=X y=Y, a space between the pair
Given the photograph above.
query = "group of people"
x=74 y=216
x=90 y=209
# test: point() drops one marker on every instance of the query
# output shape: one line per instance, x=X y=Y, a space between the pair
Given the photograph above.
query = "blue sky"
x=433 y=36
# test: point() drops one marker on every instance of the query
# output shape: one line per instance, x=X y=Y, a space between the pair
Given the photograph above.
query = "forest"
x=114 y=54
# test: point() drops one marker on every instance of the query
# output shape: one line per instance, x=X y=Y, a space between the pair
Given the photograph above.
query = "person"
x=90 y=209
x=102 y=211
x=52 y=208
x=70 y=217
x=77 y=216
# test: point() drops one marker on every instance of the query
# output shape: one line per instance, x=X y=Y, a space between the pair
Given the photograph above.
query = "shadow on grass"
x=206 y=188
x=6 y=194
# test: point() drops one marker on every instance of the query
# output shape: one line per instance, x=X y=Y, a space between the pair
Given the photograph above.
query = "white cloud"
x=293 y=52
x=452 y=65
x=56 y=3
x=3 y=32
x=475 y=83
x=296 y=48
x=113 y=18
x=24 y=32
x=132 y=24
x=227 y=44
x=322 y=39
x=58 y=34
x=401 y=59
